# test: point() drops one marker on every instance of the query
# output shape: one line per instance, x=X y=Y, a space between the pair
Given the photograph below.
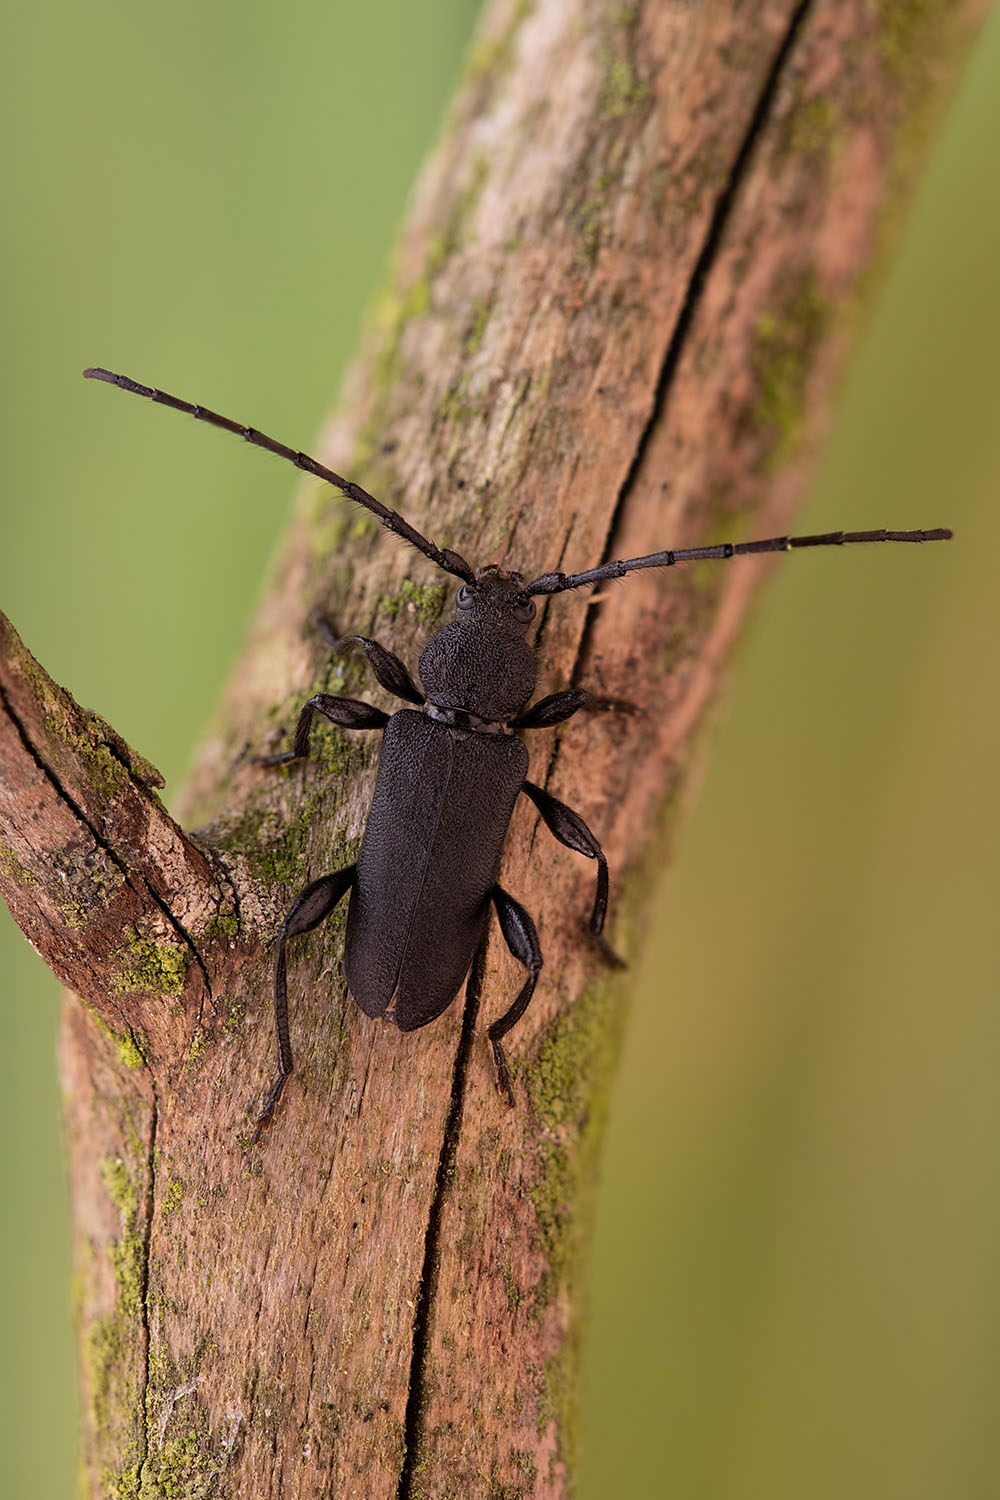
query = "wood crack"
x=182 y=933
x=70 y=802
x=695 y=287
x=413 y=1419
x=147 y=1235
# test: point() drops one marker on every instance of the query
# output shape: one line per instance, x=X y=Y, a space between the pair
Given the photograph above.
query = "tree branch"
x=622 y=300
x=99 y=877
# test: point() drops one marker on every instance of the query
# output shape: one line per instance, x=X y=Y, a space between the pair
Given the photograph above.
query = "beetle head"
x=496 y=600
x=480 y=662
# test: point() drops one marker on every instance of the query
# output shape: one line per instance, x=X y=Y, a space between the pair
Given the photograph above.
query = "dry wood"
x=625 y=291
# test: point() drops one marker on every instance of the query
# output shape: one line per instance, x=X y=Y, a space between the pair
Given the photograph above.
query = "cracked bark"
x=627 y=285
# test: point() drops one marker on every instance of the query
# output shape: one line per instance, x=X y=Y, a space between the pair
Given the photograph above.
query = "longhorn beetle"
x=451 y=769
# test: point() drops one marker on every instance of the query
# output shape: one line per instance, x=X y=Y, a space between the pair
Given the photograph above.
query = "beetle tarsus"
x=503 y=1075
x=286 y=758
x=267 y=1113
x=609 y=955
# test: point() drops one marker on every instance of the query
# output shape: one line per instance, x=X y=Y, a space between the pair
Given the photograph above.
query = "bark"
x=622 y=300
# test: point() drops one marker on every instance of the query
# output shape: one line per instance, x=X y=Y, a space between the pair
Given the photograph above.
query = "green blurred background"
x=798 y=1245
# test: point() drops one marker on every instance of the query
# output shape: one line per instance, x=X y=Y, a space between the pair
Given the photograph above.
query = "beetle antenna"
x=442 y=557
x=555 y=583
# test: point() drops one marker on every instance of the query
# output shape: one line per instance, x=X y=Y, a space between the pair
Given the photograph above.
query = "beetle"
x=451 y=769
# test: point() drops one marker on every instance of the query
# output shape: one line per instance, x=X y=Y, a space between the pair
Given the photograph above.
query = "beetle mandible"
x=451 y=769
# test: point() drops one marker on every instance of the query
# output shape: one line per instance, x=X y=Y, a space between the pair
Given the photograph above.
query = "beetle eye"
x=525 y=611
x=464 y=595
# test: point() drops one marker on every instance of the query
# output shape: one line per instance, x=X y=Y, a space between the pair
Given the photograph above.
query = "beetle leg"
x=558 y=707
x=554 y=709
x=389 y=671
x=521 y=938
x=308 y=910
x=570 y=829
x=349 y=713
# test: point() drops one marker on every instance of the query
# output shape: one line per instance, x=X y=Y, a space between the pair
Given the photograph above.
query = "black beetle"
x=449 y=775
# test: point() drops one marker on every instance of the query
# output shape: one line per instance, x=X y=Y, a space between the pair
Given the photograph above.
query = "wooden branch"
x=111 y=892
x=625 y=292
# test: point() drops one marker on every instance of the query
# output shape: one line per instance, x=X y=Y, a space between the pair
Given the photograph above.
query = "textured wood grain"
x=625 y=291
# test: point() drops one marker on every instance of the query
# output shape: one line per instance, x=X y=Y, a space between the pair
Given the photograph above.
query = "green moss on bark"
x=785 y=343
x=568 y=1082
x=150 y=964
